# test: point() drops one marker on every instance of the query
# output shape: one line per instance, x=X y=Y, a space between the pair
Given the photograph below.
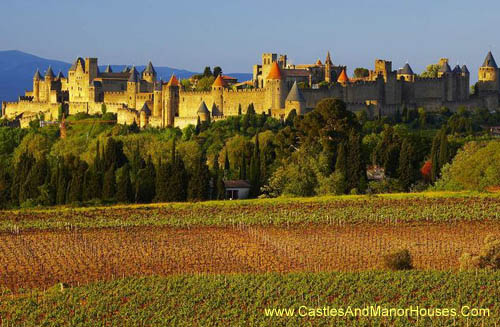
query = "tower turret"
x=488 y=72
x=295 y=100
x=149 y=73
x=144 y=114
x=36 y=86
x=343 y=79
x=406 y=73
x=203 y=112
x=157 y=99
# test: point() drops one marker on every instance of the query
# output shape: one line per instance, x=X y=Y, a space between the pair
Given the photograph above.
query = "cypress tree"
x=443 y=149
x=163 y=174
x=356 y=169
x=145 y=183
x=22 y=169
x=5 y=187
x=243 y=167
x=219 y=181
x=198 y=187
x=109 y=184
x=62 y=183
x=178 y=181
x=255 y=169
x=124 y=191
x=405 y=169
x=341 y=170
x=76 y=189
x=227 y=167
x=435 y=158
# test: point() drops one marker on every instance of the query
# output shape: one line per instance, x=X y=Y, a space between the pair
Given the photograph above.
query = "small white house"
x=237 y=189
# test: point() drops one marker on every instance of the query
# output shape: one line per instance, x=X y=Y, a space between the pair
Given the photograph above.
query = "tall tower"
x=328 y=68
x=275 y=87
x=36 y=86
x=157 y=99
x=149 y=73
x=132 y=87
x=218 y=94
x=170 y=101
x=91 y=69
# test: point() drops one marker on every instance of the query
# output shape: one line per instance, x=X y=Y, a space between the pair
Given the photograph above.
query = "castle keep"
x=142 y=98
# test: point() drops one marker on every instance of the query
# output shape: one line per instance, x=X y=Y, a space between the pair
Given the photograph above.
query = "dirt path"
x=41 y=259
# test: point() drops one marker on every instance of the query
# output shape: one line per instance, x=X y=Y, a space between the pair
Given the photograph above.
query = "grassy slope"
x=240 y=300
x=393 y=208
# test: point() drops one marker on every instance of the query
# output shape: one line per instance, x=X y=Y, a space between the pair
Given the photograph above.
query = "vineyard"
x=227 y=261
x=41 y=259
x=242 y=300
x=336 y=211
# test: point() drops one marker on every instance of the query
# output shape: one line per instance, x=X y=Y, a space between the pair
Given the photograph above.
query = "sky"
x=233 y=34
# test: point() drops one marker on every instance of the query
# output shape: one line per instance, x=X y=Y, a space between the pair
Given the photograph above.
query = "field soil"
x=40 y=259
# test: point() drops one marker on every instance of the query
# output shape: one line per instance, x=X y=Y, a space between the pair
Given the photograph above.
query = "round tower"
x=49 y=78
x=275 y=89
x=132 y=88
x=171 y=101
x=218 y=93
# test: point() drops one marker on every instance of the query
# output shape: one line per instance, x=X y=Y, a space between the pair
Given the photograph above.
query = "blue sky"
x=233 y=34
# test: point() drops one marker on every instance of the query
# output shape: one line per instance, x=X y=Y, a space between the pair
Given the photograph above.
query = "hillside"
x=17 y=69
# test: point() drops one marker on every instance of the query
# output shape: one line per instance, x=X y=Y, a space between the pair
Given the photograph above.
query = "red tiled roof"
x=275 y=72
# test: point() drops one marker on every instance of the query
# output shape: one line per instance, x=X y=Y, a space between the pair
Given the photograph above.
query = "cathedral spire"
x=328 y=60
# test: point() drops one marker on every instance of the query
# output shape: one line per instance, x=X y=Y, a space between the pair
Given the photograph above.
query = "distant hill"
x=17 y=69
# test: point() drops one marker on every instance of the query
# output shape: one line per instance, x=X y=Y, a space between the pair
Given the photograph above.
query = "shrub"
x=399 y=260
x=488 y=257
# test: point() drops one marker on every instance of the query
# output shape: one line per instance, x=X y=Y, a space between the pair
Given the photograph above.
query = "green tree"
x=109 y=184
x=217 y=71
x=207 y=72
x=361 y=72
x=104 y=109
x=431 y=71
x=198 y=187
x=340 y=172
x=124 y=189
x=145 y=183
x=255 y=166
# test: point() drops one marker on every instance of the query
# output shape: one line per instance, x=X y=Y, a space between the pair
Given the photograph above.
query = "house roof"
x=457 y=69
x=343 y=77
x=295 y=94
x=108 y=69
x=60 y=75
x=237 y=184
x=275 y=72
x=464 y=69
x=319 y=63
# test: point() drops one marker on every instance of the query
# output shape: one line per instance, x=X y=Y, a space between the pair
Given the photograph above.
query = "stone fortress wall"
x=141 y=98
